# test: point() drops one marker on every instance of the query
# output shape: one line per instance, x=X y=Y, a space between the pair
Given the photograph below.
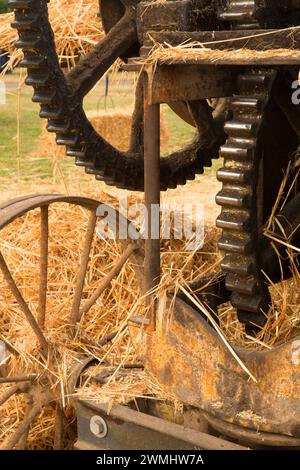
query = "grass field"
x=21 y=127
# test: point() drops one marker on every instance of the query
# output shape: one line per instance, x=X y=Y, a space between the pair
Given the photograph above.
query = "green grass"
x=23 y=165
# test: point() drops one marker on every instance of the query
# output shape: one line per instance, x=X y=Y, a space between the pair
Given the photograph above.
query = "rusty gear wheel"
x=61 y=98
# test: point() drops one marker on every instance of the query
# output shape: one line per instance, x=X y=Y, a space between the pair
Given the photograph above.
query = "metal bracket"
x=124 y=428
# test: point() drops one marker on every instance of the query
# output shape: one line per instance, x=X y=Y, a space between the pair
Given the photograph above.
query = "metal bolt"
x=98 y=427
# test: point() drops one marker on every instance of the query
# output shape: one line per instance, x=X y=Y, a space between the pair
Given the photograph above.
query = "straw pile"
x=20 y=247
x=114 y=125
x=76 y=26
x=122 y=378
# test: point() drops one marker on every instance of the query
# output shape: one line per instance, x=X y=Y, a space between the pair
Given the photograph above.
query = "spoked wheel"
x=59 y=278
x=61 y=97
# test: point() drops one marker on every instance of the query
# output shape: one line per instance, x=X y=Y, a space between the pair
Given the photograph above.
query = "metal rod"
x=20 y=378
x=44 y=250
x=111 y=275
x=9 y=393
x=23 y=305
x=22 y=444
x=83 y=268
x=58 y=428
x=152 y=195
x=10 y=443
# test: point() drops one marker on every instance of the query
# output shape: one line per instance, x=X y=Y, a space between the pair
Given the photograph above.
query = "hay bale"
x=114 y=125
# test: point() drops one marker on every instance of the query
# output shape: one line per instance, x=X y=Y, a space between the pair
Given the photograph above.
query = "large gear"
x=246 y=197
x=61 y=98
x=260 y=144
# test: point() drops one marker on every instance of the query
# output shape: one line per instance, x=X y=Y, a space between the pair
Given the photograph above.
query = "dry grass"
x=20 y=247
x=76 y=26
x=123 y=299
x=196 y=51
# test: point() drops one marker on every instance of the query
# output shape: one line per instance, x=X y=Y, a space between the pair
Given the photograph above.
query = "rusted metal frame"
x=250 y=436
x=108 y=279
x=152 y=196
x=130 y=429
x=44 y=252
x=176 y=83
x=75 y=315
x=204 y=374
x=23 y=305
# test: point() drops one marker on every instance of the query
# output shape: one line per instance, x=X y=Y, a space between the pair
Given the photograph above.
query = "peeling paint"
x=296 y=353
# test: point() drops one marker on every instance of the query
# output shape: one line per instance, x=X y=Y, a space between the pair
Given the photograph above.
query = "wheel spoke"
x=84 y=76
x=20 y=378
x=8 y=394
x=44 y=248
x=106 y=282
x=58 y=428
x=23 y=305
x=12 y=441
x=83 y=268
x=23 y=441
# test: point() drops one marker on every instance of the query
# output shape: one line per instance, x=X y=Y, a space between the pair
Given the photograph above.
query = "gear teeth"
x=240 y=129
x=37 y=79
x=28 y=43
x=67 y=139
x=25 y=24
x=236 y=150
x=253 y=304
x=21 y=4
x=235 y=244
x=253 y=84
x=250 y=295
x=238 y=264
x=231 y=198
x=172 y=184
x=243 y=278
x=233 y=175
x=44 y=96
x=59 y=127
x=33 y=61
x=84 y=163
x=246 y=104
x=246 y=286
x=93 y=171
x=240 y=13
x=51 y=113
x=233 y=220
x=251 y=320
x=76 y=152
